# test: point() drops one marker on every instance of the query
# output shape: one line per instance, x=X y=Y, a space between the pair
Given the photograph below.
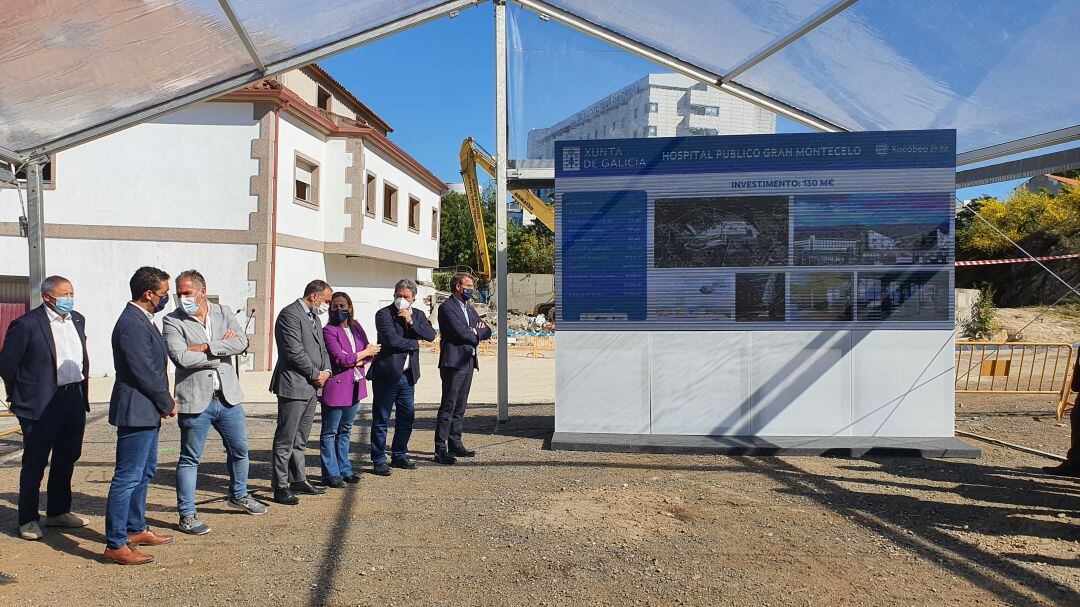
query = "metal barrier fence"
x=5 y=411
x=1014 y=368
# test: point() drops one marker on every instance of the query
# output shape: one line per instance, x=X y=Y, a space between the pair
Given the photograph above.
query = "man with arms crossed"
x=302 y=368
x=203 y=338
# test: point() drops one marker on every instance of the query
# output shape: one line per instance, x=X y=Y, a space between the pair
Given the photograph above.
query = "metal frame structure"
x=34 y=157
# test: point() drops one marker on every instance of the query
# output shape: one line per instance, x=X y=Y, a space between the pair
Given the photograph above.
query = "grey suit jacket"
x=194 y=370
x=301 y=353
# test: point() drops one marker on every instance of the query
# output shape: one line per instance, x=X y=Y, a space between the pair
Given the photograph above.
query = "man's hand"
x=175 y=410
x=230 y=334
x=323 y=377
x=405 y=315
x=204 y=348
x=481 y=325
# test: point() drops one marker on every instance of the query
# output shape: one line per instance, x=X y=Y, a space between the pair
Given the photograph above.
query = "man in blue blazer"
x=461 y=330
x=140 y=400
x=394 y=374
x=44 y=366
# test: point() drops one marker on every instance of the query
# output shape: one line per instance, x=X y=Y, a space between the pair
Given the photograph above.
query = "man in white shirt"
x=44 y=366
x=202 y=339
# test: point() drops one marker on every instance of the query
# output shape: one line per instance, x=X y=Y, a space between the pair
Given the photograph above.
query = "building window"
x=653 y=107
x=323 y=99
x=414 y=214
x=652 y=131
x=435 y=224
x=306 y=182
x=47 y=180
x=389 y=205
x=712 y=110
x=369 y=194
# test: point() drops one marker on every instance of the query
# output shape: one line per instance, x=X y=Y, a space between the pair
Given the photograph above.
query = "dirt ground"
x=1060 y=324
x=523 y=525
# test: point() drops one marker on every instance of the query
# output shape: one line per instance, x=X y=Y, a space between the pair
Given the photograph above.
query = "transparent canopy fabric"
x=995 y=70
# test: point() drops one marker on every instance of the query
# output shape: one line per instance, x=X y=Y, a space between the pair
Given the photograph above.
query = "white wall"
x=295 y=219
x=190 y=169
x=100 y=270
x=757 y=383
x=378 y=233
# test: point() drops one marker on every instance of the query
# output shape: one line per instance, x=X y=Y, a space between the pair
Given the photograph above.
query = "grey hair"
x=51 y=282
x=192 y=275
x=405 y=283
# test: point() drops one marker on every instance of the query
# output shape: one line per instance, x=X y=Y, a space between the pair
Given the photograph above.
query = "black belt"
x=67 y=387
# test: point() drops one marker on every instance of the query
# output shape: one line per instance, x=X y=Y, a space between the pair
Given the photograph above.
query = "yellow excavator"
x=472 y=155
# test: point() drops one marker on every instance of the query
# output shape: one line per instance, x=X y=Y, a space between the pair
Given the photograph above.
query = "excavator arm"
x=476 y=208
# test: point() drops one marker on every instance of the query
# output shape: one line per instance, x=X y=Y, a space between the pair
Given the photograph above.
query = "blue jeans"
x=385 y=397
x=337 y=425
x=230 y=425
x=136 y=464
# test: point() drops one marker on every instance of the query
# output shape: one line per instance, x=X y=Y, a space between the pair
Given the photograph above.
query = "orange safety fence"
x=5 y=411
x=1015 y=368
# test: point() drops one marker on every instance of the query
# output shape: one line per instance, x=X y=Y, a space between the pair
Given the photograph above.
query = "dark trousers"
x=290 y=441
x=1074 y=441
x=58 y=431
x=136 y=464
x=456 y=384
x=400 y=397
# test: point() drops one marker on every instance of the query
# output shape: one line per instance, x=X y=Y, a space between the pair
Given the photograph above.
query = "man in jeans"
x=202 y=339
x=394 y=374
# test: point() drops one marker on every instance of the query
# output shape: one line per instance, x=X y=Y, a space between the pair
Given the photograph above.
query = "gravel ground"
x=523 y=525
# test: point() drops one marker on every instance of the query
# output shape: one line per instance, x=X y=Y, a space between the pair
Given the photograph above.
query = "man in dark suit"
x=394 y=374
x=303 y=366
x=140 y=400
x=461 y=330
x=1071 y=465
x=44 y=366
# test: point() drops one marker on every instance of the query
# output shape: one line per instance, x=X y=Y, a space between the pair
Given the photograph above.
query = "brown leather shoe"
x=149 y=538
x=127 y=555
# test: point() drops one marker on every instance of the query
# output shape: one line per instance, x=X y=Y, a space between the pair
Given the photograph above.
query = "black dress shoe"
x=1063 y=469
x=306 y=488
x=463 y=452
x=334 y=481
x=284 y=496
x=352 y=479
x=404 y=464
x=442 y=457
x=381 y=470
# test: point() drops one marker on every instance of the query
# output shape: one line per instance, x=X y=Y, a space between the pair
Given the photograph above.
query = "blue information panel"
x=831 y=230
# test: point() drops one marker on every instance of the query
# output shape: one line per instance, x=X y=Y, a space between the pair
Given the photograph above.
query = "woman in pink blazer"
x=349 y=351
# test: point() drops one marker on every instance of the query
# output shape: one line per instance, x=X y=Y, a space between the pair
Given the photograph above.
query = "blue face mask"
x=338 y=316
x=64 y=305
x=161 y=303
x=190 y=305
x=466 y=294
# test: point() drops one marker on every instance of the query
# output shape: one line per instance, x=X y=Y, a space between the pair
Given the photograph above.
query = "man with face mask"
x=461 y=330
x=394 y=374
x=140 y=400
x=203 y=338
x=44 y=366
x=302 y=368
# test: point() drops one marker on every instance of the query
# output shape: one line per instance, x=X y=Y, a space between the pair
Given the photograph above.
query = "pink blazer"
x=341 y=390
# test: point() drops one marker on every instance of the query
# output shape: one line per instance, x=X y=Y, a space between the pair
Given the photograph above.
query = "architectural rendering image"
x=721 y=232
x=902 y=296
x=881 y=229
x=759 y=297
x=825 y=296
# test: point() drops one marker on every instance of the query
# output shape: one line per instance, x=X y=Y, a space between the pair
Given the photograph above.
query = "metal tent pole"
x=501 y=141
x=35 y=228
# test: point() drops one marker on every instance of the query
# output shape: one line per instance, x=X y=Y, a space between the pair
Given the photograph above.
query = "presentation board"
x=791 y=285
x=831 y=230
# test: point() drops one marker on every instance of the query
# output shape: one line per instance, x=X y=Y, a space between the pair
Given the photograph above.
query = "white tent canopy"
x=992 y=69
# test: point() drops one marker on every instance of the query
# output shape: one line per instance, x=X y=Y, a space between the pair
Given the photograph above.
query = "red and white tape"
x=991 y=262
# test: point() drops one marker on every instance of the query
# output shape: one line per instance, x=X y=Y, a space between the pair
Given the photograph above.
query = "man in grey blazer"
x=303 y=366
x=202 y=338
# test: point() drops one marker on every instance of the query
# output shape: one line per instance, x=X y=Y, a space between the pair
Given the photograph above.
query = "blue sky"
x=435 y=84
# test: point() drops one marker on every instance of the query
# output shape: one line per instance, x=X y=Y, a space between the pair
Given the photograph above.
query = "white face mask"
x=402 y=303
x=321 y=308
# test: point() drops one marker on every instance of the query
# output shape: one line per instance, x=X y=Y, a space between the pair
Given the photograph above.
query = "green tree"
x=1024 y=216
x=530 y=249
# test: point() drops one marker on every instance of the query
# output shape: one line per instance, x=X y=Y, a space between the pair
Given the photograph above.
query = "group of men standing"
x=45 y=367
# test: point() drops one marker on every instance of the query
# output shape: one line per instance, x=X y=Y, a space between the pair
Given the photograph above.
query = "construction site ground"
x=524 y=525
